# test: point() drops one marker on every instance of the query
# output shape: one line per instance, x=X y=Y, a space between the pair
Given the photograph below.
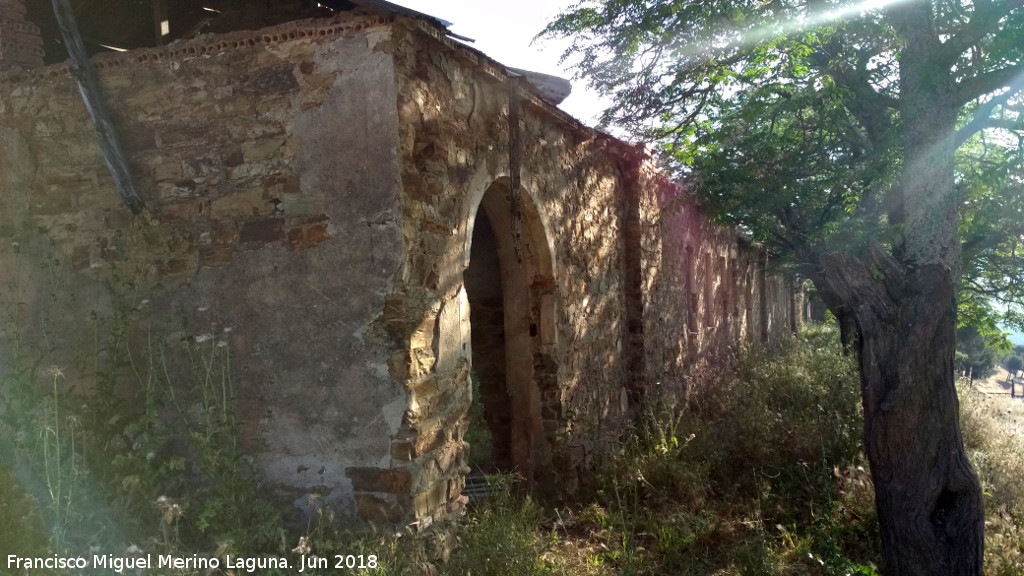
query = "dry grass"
x=759 y=474
x=993 y=428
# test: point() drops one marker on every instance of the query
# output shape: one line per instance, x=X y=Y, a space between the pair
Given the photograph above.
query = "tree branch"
x=986 y=14
x=867 y=105
x=982 y=116
x=988 y=82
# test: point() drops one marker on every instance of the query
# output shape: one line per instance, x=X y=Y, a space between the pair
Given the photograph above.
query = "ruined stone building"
x=364 y=211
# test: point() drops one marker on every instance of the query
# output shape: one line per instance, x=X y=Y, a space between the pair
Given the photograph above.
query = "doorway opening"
x=516 y=402
x=490 y=419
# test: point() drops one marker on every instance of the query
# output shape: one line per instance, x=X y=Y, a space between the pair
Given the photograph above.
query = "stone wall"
x=562 y=293
x=707 y=293
x=20 y=42
x=313 y=195
x=269 y=168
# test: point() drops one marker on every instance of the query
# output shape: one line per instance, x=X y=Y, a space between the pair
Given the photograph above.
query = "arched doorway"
x=511 y=301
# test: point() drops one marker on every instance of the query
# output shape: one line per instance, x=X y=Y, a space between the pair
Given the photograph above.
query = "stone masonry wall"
x=311 y=195
x=20 y=42
x=268 y=163
x=568 y=286
x=707 y=293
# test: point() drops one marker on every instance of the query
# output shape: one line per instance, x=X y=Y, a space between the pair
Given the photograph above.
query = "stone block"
x=248 y=204
x=57 y=199
x=423 y=361
x=451 y=454
x=455 y=487
x=453 y=344
x=421 y=395
x=80 y=257
x=178 y=266
x=430 y=439
x=191 y=136
x=392 y=481
x=262 y=231
x=167 y=170
x=261 y=150
x=426 y=502
x=234 y=158
x=180 y=211
x=371 y=508
x=399 y=365
x=403 y=450
x=179 y=188
x=288 y=185
x=223 y=232
x=215 y=256
x=137 y=137
x=307 y=232
x=458 y=504
x=274 y=81
x=423 y=334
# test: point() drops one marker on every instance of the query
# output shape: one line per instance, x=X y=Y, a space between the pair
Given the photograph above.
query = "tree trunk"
x=928 y=496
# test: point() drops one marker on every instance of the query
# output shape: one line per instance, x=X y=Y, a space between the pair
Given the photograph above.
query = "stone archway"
x=511 y=300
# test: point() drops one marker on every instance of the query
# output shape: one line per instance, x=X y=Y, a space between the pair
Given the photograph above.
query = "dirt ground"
x=998 y=385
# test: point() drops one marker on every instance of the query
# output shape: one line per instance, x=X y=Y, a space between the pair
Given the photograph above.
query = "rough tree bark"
x=903 y=301
x=928 y=496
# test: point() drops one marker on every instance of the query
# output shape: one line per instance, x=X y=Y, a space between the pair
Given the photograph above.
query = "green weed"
x=758 y=472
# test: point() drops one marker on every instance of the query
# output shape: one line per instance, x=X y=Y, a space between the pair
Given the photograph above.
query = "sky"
x=505 y=30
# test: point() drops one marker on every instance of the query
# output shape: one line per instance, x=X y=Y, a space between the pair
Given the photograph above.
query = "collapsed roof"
x=128 y=24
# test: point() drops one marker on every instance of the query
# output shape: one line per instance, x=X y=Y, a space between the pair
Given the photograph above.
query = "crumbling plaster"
x=269 y=169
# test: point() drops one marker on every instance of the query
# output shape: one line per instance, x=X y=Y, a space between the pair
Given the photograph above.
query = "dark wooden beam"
x=89 y=86
x=159 y=15
x=515 y=152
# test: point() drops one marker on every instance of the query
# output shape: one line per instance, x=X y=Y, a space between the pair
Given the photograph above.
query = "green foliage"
x=992 y=229
x=162 y=468
x=869 y=147
x=791 y=118
x=976 y=354
x=759 y=473
x=478 y=435
x=227 y=505
x=751 y=471
x=500 y=538
x=44 y=448
x=392 y=556
x=1014 y=364
x=21 y=527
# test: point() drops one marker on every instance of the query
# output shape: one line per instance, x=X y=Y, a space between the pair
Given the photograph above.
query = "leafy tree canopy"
x=1014 y=365
x=787 y=116
x=977 y=355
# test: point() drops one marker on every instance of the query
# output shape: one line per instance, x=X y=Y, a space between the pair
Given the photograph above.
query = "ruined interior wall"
x=454 y=144
x=706 y=294
x=269 y=169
